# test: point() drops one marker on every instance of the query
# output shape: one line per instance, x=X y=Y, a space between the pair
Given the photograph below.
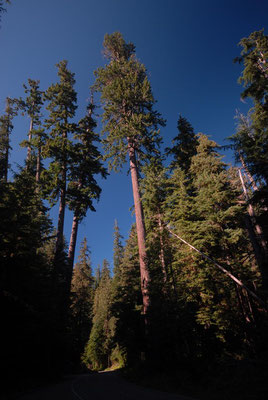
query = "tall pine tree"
x=62 y=105
x=130 y=124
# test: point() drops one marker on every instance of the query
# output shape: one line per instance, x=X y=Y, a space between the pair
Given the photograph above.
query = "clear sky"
x=187 y=46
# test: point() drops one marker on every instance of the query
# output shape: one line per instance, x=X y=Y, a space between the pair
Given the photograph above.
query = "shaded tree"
x=130 y=124
x=82 y=298
x=85 y=165
x=97 y=350
x=62 y=105
x=32 y=106
x=6 y=127
x=184 y=145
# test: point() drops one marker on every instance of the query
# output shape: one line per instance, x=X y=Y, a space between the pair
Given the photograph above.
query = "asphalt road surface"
x=99 y=386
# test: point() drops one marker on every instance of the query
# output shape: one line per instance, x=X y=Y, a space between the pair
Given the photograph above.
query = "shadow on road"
x=99 y=386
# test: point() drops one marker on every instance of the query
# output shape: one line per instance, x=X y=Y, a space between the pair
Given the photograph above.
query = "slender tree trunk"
x=250 y=177
x=59 y=237
x=257 y=239
x=162 y=253
x=6 y=151
x=144 y=272
x=29 y=150
x=38 y=166
x=72 y=243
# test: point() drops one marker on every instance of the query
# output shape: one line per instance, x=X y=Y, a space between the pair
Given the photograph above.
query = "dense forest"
x=187 y=296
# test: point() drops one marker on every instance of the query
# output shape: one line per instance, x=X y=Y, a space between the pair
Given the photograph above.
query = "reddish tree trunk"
x=162 y=253
x=59 y=237
x=72 y=243
x=257 y=239
x=38 y=166
x=5 y=174
x=29 y=150
x=250 y=177
x=144 y=272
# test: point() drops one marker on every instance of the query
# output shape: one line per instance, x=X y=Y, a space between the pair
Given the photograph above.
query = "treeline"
x=189 y=287
x=36 y=267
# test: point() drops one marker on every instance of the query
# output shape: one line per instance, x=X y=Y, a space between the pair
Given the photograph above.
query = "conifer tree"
x=254 y=146
x=153 y=188
x=130 y=124
x=32 y=106
x=126 y=304
x=117 y=250
x=184 y=145
x=97 y=350
x=209 y=216
x=82 y=297
x=251 y=139
x=25 y=283
x=6 y=127
x=62 y=105
x=85 y=165
x=257 y=202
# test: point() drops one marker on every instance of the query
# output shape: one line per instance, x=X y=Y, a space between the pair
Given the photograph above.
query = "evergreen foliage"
x=117 y=251
x=128 y=101
x=62 y=106
x=6 y=127
x=97 y=350
x=82 y=297
x=126 y=306
x=32 y=106
x=86 y=164
x=164 y=307
x=253 y=143
x=130 y=124
x=184 y=145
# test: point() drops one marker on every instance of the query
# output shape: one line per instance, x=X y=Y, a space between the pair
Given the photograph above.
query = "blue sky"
x=187 y=46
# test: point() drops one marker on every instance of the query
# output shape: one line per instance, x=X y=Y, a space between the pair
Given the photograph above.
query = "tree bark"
x=72 y=243
x=29 y=150
x=144 y=272
x=7 y=150
x=59 y=239
x=257 y=239
x=250 y=177
x=162 y=253
x=38 y=166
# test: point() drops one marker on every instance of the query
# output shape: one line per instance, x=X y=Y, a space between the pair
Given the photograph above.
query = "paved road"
x=101 y=386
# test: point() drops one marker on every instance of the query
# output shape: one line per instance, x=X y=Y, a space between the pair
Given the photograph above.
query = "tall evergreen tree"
x=86 y=164
x=32 y=106
x=131 y=125
x=117 y=250
x=62 y=105
x=153 y=188
x=82 y=297
x=253 y=146
x=251 y=140
x=212 y=220
x=25 y=283
x=97 y=350
x=6 y=127
x=126 y=304
x=184 y=145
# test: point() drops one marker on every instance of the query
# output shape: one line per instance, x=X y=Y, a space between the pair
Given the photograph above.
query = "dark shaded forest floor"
x=236 y=380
